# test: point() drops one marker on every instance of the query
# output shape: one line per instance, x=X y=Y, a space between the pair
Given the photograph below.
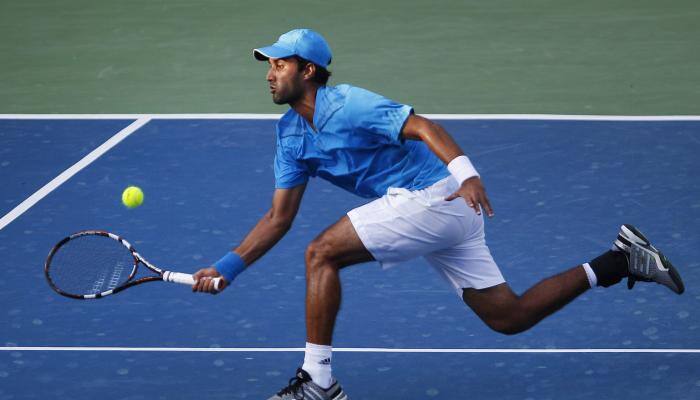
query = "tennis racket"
x=94 y=264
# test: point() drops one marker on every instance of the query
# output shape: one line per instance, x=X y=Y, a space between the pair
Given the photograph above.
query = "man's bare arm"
x=442 y=144
x=267 y=232
x=434 y=135
x=273 y=225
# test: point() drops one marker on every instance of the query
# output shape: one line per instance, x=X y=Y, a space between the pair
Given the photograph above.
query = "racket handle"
x=186 y=279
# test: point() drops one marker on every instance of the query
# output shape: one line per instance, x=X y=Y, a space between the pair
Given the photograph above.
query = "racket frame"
x=162 y=275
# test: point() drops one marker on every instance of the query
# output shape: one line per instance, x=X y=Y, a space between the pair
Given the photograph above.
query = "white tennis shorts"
x=404 y=224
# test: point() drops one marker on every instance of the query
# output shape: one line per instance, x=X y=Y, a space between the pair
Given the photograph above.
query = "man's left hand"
x=473 y=192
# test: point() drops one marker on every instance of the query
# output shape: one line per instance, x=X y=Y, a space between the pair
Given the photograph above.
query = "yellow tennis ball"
x=132 y=197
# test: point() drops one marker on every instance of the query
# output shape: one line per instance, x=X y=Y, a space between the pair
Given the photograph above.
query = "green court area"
x=633 y=57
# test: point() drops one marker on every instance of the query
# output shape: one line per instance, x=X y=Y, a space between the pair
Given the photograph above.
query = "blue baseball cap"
x=305 y=43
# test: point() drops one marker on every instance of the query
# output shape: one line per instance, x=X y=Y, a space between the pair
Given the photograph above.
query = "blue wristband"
x=230 y=266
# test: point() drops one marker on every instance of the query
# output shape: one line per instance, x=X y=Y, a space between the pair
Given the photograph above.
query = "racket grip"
x=186 y=279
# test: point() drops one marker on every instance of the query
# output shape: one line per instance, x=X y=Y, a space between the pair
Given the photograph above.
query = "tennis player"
x=428 y=201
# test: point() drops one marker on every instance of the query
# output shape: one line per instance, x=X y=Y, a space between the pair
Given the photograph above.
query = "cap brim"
x=274 y=51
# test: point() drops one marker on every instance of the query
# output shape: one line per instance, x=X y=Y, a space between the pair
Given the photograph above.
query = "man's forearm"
x=441 y=143
x=268 y=231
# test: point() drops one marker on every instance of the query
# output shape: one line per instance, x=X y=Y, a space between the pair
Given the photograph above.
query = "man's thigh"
x=468 y=264
x=340 y=244
x=398 y=227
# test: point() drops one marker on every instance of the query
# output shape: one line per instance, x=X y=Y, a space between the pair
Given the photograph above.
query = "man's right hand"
x=204 y=282
x=269 y=230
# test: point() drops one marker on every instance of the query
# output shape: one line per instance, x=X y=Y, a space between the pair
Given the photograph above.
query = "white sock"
x=592 y=279
x=317 y=362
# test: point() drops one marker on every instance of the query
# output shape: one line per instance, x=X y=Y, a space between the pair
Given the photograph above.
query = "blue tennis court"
x=560 y=190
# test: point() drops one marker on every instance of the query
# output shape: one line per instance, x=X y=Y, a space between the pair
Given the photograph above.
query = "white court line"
x=67 y=174
x=142 y=119
x=538 y=117
x=338 y=349
x=137 y=116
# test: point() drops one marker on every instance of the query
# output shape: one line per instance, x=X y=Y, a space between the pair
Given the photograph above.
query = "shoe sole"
x=673 y=273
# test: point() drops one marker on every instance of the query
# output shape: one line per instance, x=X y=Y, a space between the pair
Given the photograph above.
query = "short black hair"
x=322 y=74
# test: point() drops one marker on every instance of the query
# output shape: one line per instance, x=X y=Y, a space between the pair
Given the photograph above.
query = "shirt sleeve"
x=374 y=114
x=289 y=172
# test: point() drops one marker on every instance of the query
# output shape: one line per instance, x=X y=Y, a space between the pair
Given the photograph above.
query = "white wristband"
x=462 y=169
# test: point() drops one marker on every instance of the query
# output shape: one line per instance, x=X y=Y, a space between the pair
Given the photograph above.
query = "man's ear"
x=309 y=71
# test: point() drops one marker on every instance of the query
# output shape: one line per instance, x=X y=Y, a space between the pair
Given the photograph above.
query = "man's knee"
x=507 y=326
x=499 y=308
x=319 y=254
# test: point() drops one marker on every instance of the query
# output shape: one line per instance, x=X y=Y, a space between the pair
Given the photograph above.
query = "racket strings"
x=90 y=264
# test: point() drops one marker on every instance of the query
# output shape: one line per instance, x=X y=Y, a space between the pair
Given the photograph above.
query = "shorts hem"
x=483 y=285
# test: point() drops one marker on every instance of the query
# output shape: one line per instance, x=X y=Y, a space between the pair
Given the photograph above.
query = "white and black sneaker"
x=645 y=262
x=302 y=387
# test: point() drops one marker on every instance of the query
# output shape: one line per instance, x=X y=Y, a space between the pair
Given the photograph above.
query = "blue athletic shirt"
x=357 y=145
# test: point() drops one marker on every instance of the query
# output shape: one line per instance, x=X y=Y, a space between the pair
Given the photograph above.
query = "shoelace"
x=294 y=387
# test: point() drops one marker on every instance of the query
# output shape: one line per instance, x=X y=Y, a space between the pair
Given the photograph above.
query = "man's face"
x=285 y=80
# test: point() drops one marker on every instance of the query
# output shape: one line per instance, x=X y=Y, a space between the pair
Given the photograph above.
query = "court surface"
x=560 y=188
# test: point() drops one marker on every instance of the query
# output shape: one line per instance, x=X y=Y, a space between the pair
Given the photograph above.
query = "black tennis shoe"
x=302 y=387
x=645 y=262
